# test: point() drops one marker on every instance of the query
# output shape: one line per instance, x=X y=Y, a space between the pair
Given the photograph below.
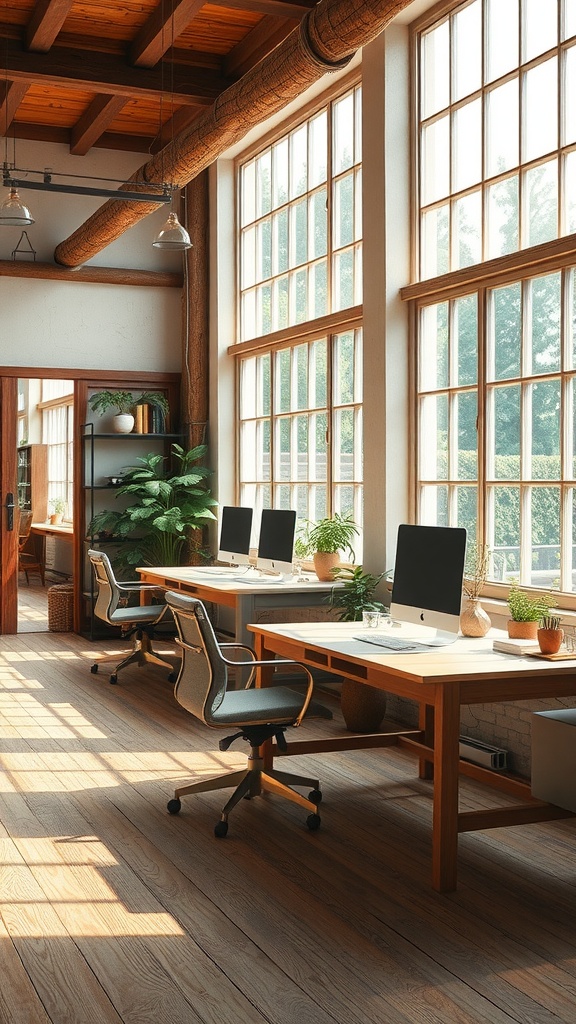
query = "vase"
x=474 y=621
x=522 y=630
x=363 y=707
x=123 y=423
x=324 y=563
x=550 y=640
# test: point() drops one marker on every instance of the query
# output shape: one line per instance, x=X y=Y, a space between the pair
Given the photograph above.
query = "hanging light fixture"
x=13 y=212
x=172 y=235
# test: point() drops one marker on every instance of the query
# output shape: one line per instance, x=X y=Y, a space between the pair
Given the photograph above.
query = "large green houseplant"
x=326 y=539
x=357 y=593
x=158 y=524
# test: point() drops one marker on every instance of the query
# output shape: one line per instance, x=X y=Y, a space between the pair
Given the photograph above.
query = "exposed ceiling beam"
x=324 y=41
x=45 y=23
x=94 y=122
x=263 y=38
x=276 y=7
x=163 y=26
x=11 y=96
x=107 y=73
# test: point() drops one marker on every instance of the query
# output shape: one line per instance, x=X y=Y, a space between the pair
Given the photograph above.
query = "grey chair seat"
x=259 y=714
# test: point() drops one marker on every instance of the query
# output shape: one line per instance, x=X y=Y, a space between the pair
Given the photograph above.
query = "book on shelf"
x=512 y=646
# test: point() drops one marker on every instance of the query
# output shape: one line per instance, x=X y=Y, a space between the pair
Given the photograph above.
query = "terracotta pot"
x=474 y=621
x=56 y=518
x=522 y=630
x=324 y=562
x=550 y=640
x=363 y=707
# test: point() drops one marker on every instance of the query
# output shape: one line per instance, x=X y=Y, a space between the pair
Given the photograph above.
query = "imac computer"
x=427 y=584
x=235 y=531
x=276 y=541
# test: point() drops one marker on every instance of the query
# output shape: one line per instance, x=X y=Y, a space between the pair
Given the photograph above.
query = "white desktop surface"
x=231 y=580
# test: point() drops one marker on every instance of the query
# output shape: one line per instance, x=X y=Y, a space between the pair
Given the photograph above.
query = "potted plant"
x=526 y=610
x=158 y=524
x=357 y=593
x=326 y=539
x=124 y=402
x=474 y=621
x=58 y=506
x=550 y=635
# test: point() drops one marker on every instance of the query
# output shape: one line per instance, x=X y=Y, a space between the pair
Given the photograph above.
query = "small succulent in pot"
x=550 y=635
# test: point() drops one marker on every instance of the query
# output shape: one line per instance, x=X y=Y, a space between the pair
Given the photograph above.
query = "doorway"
x=44 y=497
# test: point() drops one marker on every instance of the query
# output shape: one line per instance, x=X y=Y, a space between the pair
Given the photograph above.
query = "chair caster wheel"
x=315 y=796
x=173 y=806
x=221 y=830
x=172 y=677
x=113 y=678
x=94 y=669
x=313 y=822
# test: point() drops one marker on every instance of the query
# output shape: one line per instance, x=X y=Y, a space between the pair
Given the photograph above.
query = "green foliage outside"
x=164 y=511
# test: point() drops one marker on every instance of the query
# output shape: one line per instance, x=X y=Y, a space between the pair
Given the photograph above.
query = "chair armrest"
x=275 y=662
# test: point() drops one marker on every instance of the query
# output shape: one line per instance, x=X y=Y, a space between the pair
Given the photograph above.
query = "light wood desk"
x=246 y=599
x=467 y=672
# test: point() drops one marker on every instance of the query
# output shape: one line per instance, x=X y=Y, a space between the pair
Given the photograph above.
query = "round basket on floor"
x=61 y=608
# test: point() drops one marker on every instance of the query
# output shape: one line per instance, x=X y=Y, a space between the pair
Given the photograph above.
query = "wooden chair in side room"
x=28 y=561
x=259 y=714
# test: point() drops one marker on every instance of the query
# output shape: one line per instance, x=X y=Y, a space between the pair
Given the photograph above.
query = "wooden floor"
x=113 y=911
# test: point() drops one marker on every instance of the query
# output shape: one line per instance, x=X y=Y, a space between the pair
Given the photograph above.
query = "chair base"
x=142 y=653
x=254 y=781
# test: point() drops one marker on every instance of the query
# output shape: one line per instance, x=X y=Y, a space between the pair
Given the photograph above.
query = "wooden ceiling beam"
x=45 y=23
x=108 y=73
x=163 y=26
x=274 y=7
x=263 y=38
x=11 y=96
x=94 y=122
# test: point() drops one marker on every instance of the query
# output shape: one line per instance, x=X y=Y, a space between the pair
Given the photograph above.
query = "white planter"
x=123 y=423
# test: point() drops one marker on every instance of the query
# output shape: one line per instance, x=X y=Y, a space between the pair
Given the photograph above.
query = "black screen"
x=277 y=534
x=429 y=567
x=235 y=530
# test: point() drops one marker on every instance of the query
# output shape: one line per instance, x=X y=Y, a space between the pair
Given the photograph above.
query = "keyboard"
x=392 y=643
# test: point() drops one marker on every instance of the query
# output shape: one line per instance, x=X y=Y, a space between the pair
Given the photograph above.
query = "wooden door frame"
x=83 y=379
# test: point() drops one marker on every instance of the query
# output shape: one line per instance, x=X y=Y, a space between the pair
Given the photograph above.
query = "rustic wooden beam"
x=158 y=33
x=91 y=275
x=108 y=72
x=325 y=40
x=45 y=23
x=11 y=96
x=195 y=399
x=272 y=7
x=94 y=122
x=256 y=44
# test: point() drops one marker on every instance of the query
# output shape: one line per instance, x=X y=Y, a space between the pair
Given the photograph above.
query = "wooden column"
x=195 y=374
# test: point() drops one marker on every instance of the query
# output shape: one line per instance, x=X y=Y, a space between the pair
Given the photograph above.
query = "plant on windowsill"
x=474 y=621
x=58 y=506
x=159 y=525
x=326 y=539
x=550 y=635
x=526 y=610
x=125 y=403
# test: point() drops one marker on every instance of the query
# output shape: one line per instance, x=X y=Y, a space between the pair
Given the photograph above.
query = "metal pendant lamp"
x=172 y=235
x=13 y=212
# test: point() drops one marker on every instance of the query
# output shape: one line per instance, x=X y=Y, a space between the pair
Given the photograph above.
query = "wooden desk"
x=246 y=599
x=47 y=530
x=468 y=672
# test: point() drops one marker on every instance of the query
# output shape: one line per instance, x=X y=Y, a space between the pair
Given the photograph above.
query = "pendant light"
x=13 y=212
x=172 y=235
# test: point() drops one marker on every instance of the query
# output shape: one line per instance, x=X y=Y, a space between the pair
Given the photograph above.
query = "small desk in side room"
x=247 y=600
x=440 y=681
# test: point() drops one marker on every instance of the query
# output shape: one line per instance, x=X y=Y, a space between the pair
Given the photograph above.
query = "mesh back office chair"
x=138 y=622
x=259 y=714
x=28 y=561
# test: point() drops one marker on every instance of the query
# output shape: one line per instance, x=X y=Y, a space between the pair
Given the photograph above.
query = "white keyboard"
x=392 y=643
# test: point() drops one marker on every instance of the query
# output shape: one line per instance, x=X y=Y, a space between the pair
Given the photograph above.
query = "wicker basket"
x=61 y=608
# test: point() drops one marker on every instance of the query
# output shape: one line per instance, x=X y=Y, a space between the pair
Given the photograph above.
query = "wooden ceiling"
x=127 y=74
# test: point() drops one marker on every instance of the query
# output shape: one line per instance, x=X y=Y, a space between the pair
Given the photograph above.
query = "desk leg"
x=426 y=724
x=264 y=678
x=445 y=803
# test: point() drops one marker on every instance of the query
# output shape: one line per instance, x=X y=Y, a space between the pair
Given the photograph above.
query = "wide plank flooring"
x=113 y=911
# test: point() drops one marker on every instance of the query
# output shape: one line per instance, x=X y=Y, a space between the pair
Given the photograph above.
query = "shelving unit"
x=32 y=494
x=106 y=455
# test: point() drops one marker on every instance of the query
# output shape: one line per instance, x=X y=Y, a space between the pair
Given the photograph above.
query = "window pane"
x=540 y=27
x=436 y=160
x=298 y=162
x=343 y=121
x=503 y=224
x=541 y=85
x=435 y=69
x=280 y=173
x=344 y=443
x=467 y=229
x=435 y=242
x=545 y=294
x=506 y=539
x=319 y=288
x=466 y=415
x=434 y=438
x=545 y=539
x=502 y=128
x=344 y=386
x=542 y=203
x=263 y=183
x=506 y=305
x=300 y=398
x=248 y=207
x=318 y=141
x=280 y=241
x=502 y=37
x=344 y=211
x=466 y=339
x=467 y=141
x=546 y=430
x=344 y=284
x=319 y=222
x=433 y=356
x=570 y=97
x=467 y=509
x=433 y=506
x=467 y=50
x=506 y=440
x=318 y=373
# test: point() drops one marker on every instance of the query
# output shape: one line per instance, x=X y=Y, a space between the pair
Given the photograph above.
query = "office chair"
x=28 y=561
x=259 y=714
x=138 y=622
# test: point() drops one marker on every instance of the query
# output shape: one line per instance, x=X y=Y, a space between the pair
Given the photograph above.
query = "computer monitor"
x=427 y=584
x=235 y=531
x=276 y=541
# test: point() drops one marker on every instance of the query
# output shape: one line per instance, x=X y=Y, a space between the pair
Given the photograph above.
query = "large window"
x=300 y=352
x=496 y=350
x=57 y=411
